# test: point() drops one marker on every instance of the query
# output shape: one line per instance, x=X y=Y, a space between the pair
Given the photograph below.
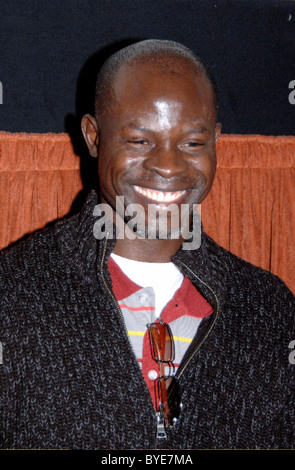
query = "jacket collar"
x=203 y=266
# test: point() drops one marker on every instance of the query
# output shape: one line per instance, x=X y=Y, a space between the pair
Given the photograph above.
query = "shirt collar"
x=187 y=297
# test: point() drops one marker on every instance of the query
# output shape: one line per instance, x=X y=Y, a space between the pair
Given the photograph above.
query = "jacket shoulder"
x=250 y=275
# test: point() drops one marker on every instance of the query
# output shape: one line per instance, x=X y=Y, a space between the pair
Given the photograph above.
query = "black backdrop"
x=51 y=50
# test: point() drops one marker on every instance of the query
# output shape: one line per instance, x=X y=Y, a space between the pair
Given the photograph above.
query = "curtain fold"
x=250 y=209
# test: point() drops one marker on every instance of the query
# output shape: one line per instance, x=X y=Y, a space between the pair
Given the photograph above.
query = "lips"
x=159 y=196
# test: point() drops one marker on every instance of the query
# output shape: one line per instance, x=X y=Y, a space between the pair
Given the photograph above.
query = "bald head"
x=163 y=54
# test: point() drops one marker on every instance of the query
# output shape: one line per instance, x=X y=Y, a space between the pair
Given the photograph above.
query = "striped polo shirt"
x=183 y=313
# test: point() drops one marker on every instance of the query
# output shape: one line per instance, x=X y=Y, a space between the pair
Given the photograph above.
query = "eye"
x=138 y=142
x=192 y=144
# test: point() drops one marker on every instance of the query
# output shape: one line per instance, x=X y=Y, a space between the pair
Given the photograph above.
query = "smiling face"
x=156 y=138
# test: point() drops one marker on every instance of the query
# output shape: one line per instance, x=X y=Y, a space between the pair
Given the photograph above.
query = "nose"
x=167 y=162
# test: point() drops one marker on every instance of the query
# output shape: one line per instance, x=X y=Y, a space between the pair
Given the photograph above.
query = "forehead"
x=137 y=86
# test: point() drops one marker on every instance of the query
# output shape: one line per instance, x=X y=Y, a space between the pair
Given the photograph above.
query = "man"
x=127 y=340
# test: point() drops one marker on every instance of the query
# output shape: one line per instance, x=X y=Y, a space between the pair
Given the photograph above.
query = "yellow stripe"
x=136 y=333
x=176 y=338
x=181 y=338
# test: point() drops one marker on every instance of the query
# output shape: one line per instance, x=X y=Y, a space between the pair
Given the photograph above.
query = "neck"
x=149 y=250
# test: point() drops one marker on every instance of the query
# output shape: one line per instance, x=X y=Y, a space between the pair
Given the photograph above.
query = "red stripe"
x=136 y=308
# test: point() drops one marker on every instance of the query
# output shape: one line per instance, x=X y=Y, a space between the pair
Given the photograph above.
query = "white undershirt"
x=164 y=278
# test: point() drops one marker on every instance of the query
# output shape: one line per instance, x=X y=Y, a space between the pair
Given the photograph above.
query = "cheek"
x=107 y=162
x=209 y=164
x=205 y=168
x=204 y=177
x=114 y=168
x=210 y=174
x=105 y=176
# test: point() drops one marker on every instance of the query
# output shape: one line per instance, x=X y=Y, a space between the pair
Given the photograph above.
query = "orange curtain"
x=250 y=209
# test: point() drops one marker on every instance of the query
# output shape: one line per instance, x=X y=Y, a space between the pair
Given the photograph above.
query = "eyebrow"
x=138 y=128
x=199 y=130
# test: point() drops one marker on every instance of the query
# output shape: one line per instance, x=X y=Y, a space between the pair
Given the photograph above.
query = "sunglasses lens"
x=174 y=401
x=170 y=399
x=162 y=342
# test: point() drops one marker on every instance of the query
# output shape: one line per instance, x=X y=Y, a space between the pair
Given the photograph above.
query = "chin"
x=169 y=229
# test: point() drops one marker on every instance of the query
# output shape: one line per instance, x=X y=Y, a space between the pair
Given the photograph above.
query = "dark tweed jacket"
x=69 y=378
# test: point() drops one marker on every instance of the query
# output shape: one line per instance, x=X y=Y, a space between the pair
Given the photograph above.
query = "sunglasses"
x=167 y=386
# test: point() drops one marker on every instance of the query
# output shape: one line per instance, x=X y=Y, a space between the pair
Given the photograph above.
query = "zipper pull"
x=161 y=433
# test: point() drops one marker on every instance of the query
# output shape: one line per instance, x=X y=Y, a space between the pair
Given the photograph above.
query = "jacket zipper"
x=161 y=433
x=109 y=290
x=183 y=367
x=112 y=295
x=118 y=308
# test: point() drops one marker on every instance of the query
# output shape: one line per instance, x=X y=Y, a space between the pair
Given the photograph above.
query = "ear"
x=217 y=132
x=90 y=133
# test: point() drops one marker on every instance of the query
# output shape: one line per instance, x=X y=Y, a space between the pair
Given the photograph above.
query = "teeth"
x=159 y=196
